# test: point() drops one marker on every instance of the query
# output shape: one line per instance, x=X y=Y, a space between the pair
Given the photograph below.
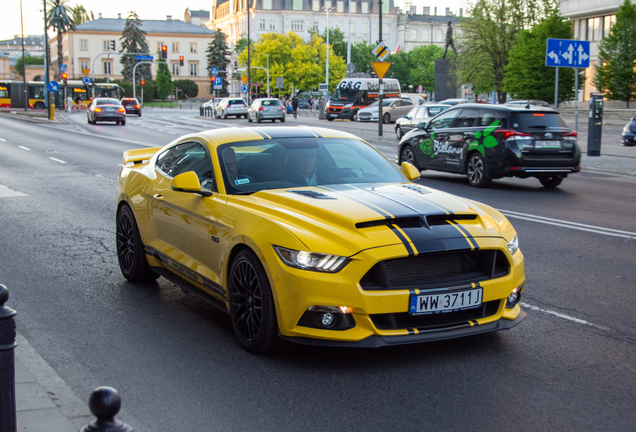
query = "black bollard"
x=7 y=364
x=104 y=404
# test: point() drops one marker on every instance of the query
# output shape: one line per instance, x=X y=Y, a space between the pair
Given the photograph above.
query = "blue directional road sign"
x=53 y=86
x=86 y=81
x=143 y=57
x=214 y=71
x=567 y=53
x=244 y=88
x=63 y=68
x=218 y=82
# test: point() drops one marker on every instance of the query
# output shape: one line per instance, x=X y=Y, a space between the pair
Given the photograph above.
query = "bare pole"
x=47 y=95
x=380 y=86
x=249 y=69
x=26 y=96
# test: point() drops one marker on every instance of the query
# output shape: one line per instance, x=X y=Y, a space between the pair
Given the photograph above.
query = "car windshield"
x=236 y=102
x=434 y=110
x=534 y=121
x=252 y=166
x=344 y=95
x=129 y=102
x=107 y=102
x=270 y=102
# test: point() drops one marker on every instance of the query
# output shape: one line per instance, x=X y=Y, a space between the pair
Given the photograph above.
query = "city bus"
x=10 y=93
x=353 y=94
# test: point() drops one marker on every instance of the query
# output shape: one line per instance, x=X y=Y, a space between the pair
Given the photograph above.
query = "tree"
x=615 y=75
x=218 y=57
x=362 y=56
x=337 y=40
x=422 y=60
x=190 y=88
x=133 y=40
x=488 y=37
x=60 y=18
x=163 y=84
x=80 y=15
x=527 y=76
x=29 y=60
x=241 y=44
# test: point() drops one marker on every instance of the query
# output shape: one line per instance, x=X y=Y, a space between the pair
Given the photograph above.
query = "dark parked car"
x=106 y=109
x=629 y=133
x=417 y=115
x=303 y=104
x=488 y=142
x=131 y=105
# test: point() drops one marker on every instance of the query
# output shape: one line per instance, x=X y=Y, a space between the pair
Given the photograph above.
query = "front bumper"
x=372 y=117
x=337 y=113
x=629 y=139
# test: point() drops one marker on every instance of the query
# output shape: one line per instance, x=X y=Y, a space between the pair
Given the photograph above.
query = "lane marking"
x=106 y=178
x=57 y=160
x=571 y=225
x=24 y=148
x=5 y=192
x=2 y=139
x=564 y=316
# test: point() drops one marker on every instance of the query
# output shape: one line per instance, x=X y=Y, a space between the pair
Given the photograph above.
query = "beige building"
x=592 y=22
x=11 y=50
x=89 y=48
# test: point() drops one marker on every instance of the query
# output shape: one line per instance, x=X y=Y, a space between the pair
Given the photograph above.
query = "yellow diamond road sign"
x=381 y=51
x=380 y=68
x=86 y=71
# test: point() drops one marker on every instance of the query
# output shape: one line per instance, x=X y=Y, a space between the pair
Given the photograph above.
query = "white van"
x=353 y=94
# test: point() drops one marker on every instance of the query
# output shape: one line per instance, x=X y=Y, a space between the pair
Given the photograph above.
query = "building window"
x=105 y=45
x=341 y=26
x=83 y=64
x=107 y=69
x=193 y=47
x=365 y=27
x=385 y=7
x=439 y=36
x=364 y=7
x=159 y=45
x=175 y=47
x=83 y=44
x=327 y=3
x=267 y=4
x=353 y=6
x=314 y=26
x=193 y=69
x=298 y=4
x=593 y=28
x=352 y=27
x=315 y=5
x=608 y=22
x=175 y=68
x=272 y=24
x=261 y=24
x=425 y=36
x=340 y=6
x=385 y=29
x=297 y=25
x=413 y=35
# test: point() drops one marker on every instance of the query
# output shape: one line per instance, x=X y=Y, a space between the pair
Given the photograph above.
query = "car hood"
x=345 y=219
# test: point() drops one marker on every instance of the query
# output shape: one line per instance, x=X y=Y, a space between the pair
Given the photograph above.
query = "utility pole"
x=26 y=96
x=380 y=85
x=47 y=94
x=249 y=69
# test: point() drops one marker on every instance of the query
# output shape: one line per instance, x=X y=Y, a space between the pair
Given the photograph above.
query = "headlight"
x=513 y=245
x=626 y=129
x=311 y=260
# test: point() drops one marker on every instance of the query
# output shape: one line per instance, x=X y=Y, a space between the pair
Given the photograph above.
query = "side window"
x=421 y=113
x=186 y=157
x=466 y=118
x=406 y=103
x=491 y=118
x=444 y=120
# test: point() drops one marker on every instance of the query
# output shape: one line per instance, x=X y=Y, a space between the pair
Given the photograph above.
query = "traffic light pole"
x=134 y=70
x=380 y=85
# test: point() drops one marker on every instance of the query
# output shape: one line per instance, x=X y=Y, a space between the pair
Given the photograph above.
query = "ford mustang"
x=311 y=235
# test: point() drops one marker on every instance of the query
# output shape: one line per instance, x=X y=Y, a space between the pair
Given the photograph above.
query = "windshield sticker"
x=241 y=181
x=488 y=141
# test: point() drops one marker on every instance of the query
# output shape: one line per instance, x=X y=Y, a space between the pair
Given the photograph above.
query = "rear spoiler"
x=139 y=155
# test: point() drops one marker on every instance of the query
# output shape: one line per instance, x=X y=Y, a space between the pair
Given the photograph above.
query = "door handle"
x=158 y=197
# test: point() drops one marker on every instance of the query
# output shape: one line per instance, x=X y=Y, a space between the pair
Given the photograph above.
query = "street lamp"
x=328 y=9
x=267 y=55
x=349 y=41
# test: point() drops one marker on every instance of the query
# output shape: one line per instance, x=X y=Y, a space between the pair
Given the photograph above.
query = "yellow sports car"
x=313 y=236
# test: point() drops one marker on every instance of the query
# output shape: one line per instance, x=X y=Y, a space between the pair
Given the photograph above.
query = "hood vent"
x=311 y=194
x=441 y=219
x=417 y=221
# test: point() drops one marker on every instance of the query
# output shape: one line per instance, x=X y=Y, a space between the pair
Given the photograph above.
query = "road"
x=568 y=366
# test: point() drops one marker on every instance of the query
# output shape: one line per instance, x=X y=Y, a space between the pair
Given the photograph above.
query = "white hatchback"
x=231 y=107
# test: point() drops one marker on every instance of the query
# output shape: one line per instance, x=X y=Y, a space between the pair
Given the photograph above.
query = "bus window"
x=4 y=91
x=36 y=91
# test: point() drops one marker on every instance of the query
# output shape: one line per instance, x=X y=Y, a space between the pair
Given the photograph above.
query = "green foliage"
x=30 y=60
x=218 y=54
x=60 y=18
x=241 y=44
x=488 y=37
x=362 y=56
x=126 y=86
x=337 y=40
x=190 y=88
x=80 y=15
x=527 y=76
x=163 y=84
x=133 y=40
x=615 y=75
x=417 y=67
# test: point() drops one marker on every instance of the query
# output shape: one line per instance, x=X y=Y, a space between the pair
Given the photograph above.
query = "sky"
x=146 y=9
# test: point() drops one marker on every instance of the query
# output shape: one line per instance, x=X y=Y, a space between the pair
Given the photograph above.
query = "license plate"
x=445 y=302
x=333 y=115
x=547 y=144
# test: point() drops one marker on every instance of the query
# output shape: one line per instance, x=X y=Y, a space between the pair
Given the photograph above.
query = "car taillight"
x=121 y=110
x=571 y=134
x=98 y=110
x=260 y=108
x=136 y=106
x=282 y=108
x=507 y=133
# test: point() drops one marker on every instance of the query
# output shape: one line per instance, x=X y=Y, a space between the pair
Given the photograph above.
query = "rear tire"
x=476 y=171
x=123 y=123
x=550 y=182
x=258 y=120
x=130 y=249
x=249 y=119
x=329 y=119
x=139 y=113
x=408 y=155
x=38 y=105
x=387 y=118
x=398 y=132
x=282 y=120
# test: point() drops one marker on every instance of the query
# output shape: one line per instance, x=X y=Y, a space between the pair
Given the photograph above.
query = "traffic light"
x=64 y=77
x=181 y=61
x=112 y=45
x=164 y=51
x=143 y=82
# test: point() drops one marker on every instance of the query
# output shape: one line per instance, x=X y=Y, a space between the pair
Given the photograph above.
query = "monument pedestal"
x=445 y=83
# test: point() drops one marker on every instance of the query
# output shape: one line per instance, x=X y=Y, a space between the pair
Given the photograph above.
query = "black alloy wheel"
x=398 y=132
x=476 y=171
x=387 y=118
x=130 y=249
x=408 y=155
x=252 y=307
x=550 y=182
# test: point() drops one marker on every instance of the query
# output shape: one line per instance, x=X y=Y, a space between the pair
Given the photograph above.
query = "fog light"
x=514 y=297
x=327 y=319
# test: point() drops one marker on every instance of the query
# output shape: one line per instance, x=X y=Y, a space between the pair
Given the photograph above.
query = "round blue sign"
x=244 y=88
x=53 y=86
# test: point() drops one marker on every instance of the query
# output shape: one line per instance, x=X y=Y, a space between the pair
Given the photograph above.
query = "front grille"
x=434 y=270
x=433 y=321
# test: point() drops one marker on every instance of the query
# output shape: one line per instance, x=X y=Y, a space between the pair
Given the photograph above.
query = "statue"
x=449 y=40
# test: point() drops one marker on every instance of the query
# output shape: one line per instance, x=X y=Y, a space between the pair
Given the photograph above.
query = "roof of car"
x=217 y=137
x=521 y=108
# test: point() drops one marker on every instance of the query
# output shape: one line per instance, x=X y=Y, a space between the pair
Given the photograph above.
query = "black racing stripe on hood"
x=403 y=239
x=468 y=235
x=437 y=238
x=342 y=188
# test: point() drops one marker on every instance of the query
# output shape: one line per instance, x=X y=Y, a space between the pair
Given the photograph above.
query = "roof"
x=434 y=18
x=28 y=41
x=149 y=26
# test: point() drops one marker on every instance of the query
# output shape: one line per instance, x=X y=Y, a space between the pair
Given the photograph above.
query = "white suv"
x=231 y=107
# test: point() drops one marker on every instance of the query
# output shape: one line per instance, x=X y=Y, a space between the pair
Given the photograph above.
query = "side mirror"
x=409 y=171
x=422 y=126
x=188 y=182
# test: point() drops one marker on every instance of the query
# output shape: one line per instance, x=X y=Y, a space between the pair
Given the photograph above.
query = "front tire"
x=398 y=132
x=252 y=307
x=476 y=171
x=408 y=155
x=130 y=249
x=550 y=182
x=387 y=118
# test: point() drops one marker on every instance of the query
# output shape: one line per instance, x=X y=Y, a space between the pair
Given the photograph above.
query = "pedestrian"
x=295 y=106
x=69 y=103
x=311 y=102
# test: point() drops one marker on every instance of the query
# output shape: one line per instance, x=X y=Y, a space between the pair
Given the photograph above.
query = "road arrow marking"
x=554 y=56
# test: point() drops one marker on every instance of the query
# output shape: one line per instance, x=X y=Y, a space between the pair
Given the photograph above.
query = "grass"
x=161 y=104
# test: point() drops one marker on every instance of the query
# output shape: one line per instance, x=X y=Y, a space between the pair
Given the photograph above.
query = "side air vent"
x=441 y=219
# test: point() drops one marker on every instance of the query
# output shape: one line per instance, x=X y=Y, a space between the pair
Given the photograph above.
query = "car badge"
x=548 y=135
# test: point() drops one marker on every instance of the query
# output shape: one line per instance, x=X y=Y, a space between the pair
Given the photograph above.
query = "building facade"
x=592 y=22
x=11 y=50
x=89 y=48
x=425 y=29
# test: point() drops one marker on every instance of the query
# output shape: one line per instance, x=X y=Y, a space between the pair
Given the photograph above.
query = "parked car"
x=392 y=109
x=106 y=109
x=417 y=115
x=488 y=142
x=266 y=109
x=303 y=103
x=231 y=107
x=413 y=97
x=531 y=102
x=454 y=101
x=629 y=133
x=211 y=103
x=131 y=105
x=354 y=255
